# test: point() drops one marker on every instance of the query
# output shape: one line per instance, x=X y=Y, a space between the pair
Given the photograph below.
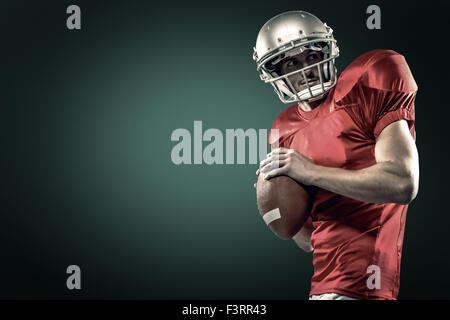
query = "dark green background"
x=86 y=119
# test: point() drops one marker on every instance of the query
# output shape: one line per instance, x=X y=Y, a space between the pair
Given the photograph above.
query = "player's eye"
x=291 y=63
x=312 y=56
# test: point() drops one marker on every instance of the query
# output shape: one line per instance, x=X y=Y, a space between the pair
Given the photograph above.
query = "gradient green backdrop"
x=86 y=119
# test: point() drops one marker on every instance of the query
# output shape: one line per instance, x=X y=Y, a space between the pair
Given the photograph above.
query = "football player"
x=351 y=137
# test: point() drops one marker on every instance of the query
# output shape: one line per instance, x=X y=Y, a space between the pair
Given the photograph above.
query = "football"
x=284 y=204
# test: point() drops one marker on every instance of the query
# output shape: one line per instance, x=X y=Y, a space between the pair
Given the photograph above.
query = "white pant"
x=330 y=296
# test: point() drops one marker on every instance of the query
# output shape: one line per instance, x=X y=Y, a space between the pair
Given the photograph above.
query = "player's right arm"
x=303 y=237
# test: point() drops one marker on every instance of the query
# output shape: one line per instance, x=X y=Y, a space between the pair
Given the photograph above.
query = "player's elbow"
x=303 y=244
x=405 y=187
x=305 y=247
x=408 y=190
x=284 y=232
x=303 y=239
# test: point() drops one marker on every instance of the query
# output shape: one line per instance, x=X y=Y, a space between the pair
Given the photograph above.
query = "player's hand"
x=288 y=162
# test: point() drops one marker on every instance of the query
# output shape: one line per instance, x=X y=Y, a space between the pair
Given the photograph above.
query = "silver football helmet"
x=289 y=34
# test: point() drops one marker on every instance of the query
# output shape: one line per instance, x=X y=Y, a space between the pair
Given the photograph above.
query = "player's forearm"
x=385 y=182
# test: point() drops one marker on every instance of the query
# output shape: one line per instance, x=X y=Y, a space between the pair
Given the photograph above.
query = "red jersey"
x=349 y=235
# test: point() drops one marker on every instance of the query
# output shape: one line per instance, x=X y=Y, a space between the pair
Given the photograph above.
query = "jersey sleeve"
x=387 y=91
x=276 y=140
x=283 y=128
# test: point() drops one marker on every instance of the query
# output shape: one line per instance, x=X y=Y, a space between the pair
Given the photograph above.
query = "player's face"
x=300 y=61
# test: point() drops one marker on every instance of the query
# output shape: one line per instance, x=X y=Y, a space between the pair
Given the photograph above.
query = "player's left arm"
x=393 y=179
x=303 y=237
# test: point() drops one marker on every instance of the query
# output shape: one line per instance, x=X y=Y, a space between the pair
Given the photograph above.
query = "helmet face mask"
x=289 y=34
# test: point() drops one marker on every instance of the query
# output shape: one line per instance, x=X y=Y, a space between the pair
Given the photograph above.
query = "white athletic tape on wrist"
x=272 y=215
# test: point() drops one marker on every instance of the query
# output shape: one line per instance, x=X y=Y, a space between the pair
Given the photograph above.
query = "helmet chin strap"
x=304 y=94
x=316 y=91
